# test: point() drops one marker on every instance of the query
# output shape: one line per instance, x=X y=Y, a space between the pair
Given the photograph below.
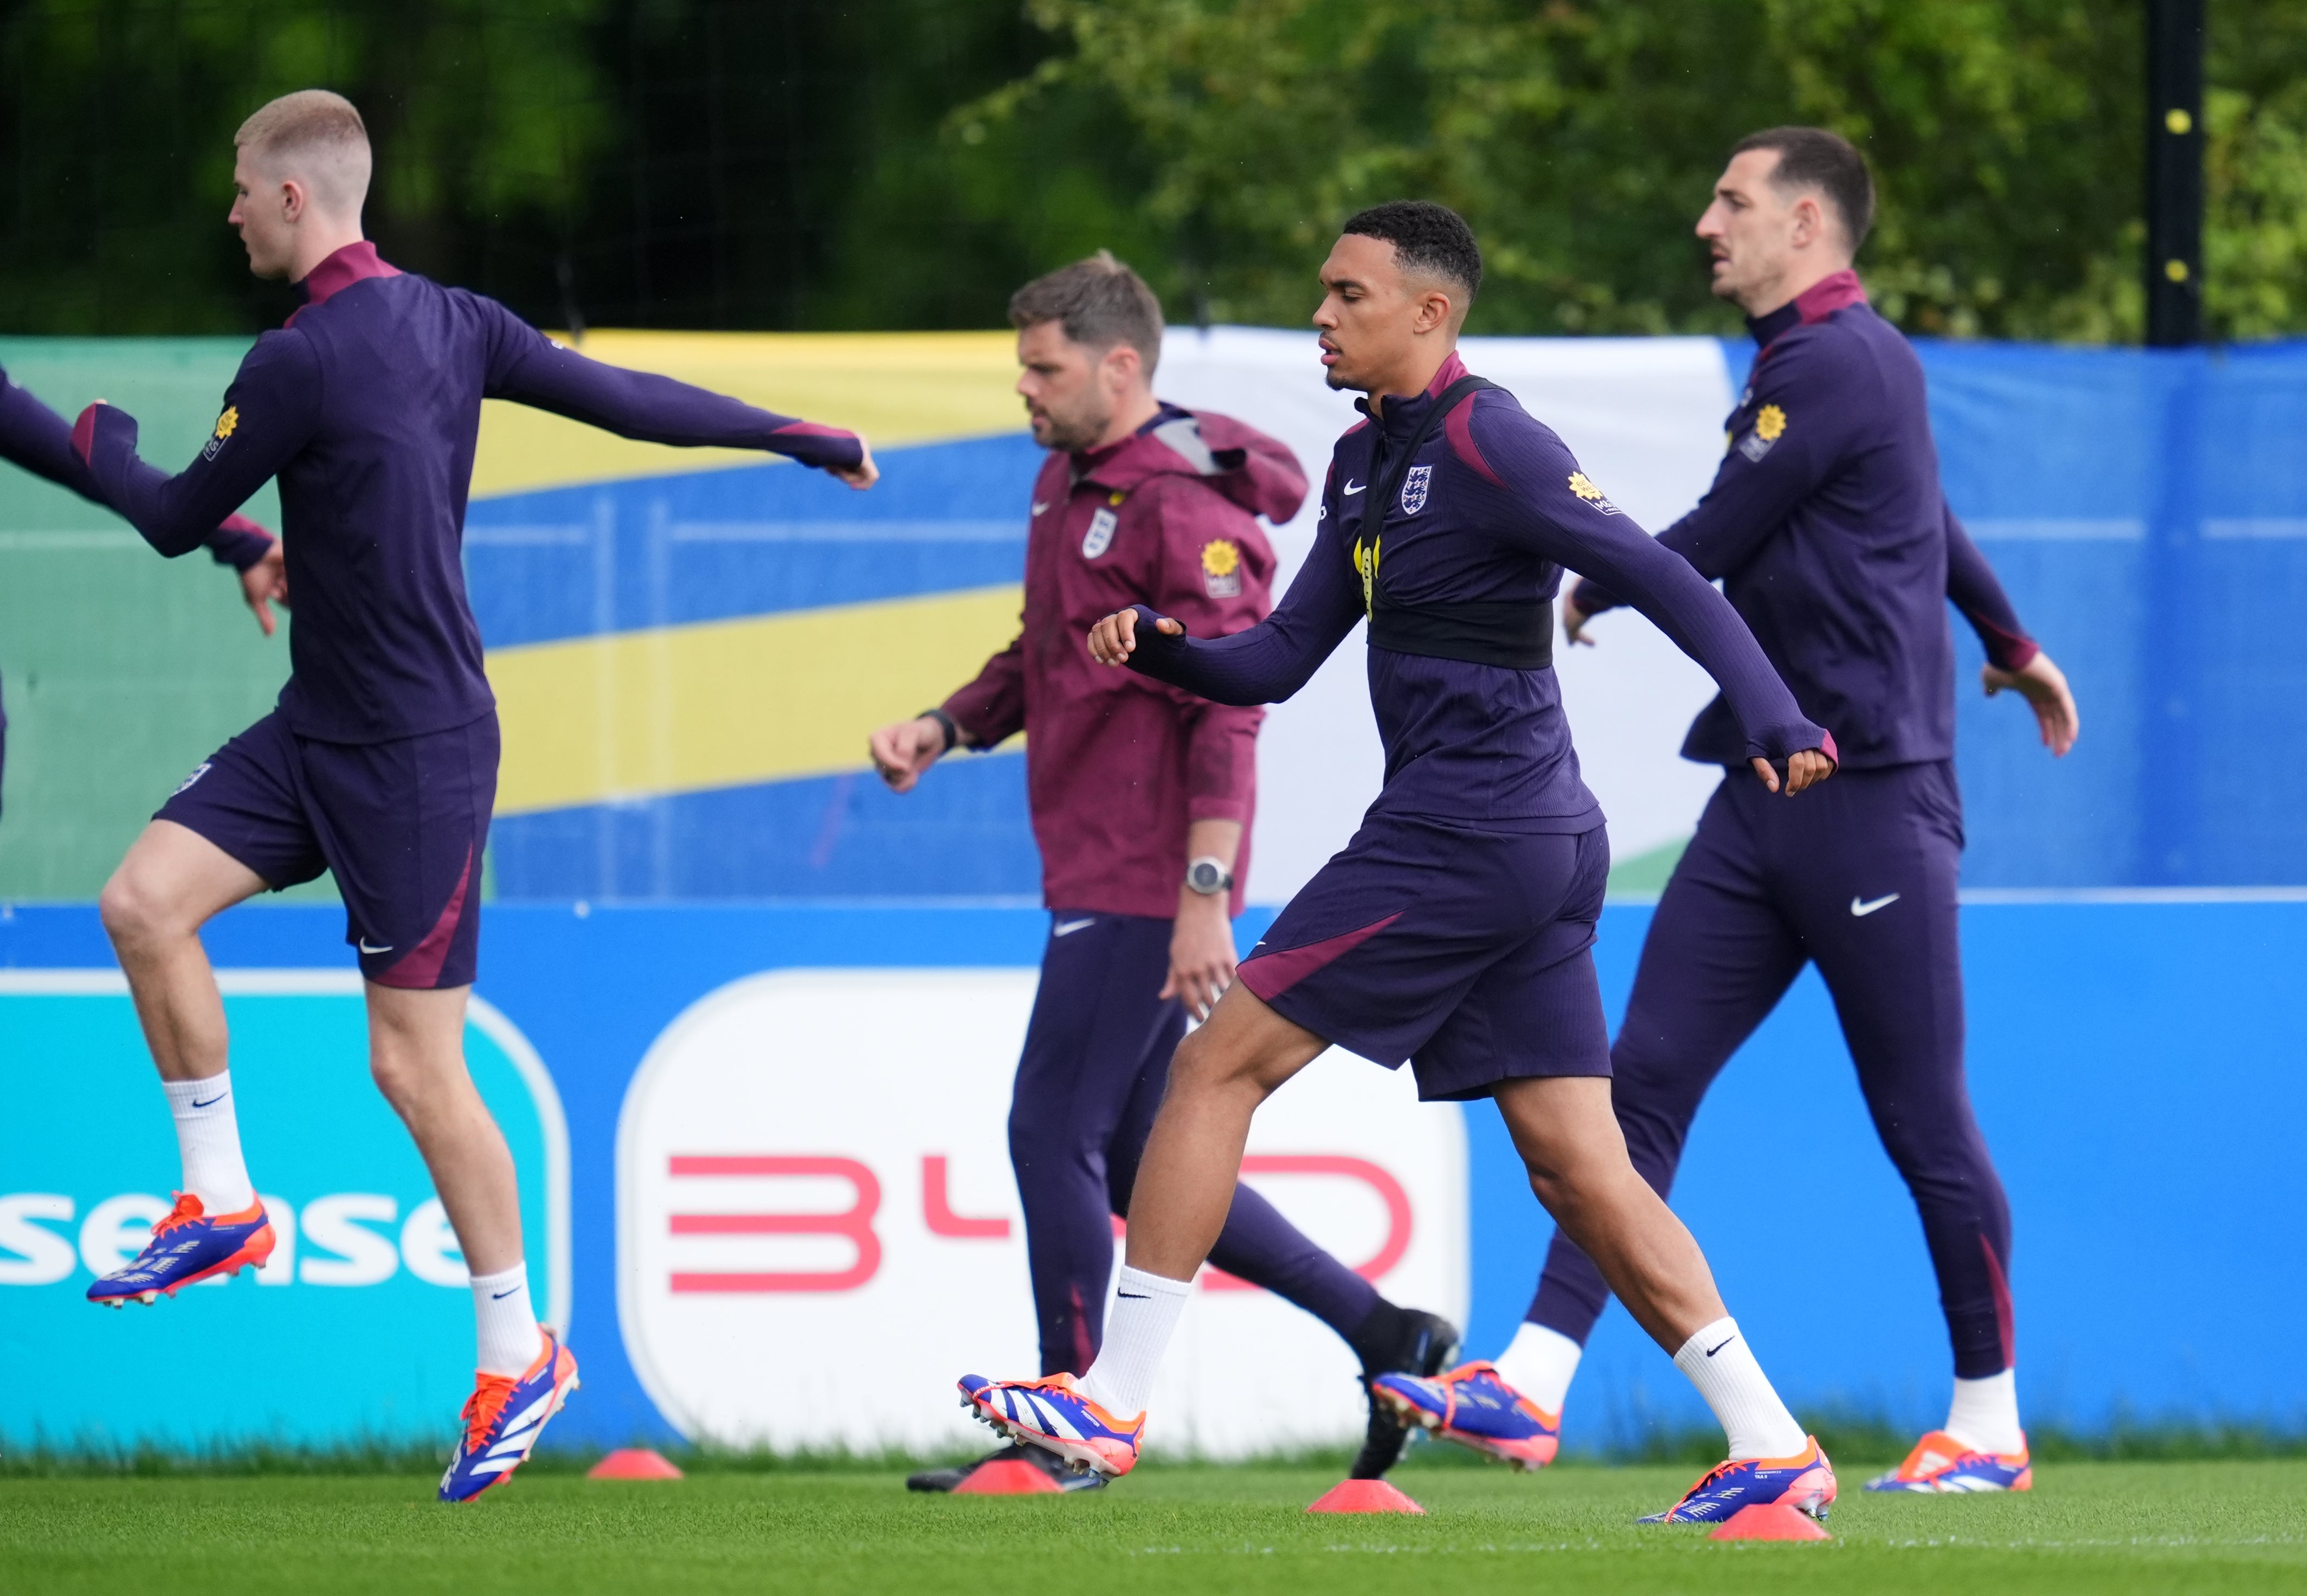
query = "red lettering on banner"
x=1374 y=1176
x=856 y=1225
x=937 y=1211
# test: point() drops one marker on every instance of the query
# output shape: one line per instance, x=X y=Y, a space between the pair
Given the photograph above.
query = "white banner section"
x=819 y=1233
x=1645 y=418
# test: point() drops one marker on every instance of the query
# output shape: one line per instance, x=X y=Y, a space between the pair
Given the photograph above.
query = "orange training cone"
x=1010 y=1477
x=1775 y=1522
x=1364 y=1496
x=633 y=1463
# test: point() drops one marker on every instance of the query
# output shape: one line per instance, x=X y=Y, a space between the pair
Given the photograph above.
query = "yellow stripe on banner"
x=730 y=703
x=894 y=387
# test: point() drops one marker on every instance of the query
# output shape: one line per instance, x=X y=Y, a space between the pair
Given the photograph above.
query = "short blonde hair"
x=317 y=136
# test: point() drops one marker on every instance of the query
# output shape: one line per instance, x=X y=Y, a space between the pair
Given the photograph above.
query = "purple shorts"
x=401 y=823
x=1465 y=952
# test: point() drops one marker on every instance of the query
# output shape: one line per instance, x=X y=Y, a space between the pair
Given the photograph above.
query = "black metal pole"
x=2174 y=173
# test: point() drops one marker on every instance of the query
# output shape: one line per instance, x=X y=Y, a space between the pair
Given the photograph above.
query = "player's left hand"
x=864 y=474
x=265 y=584
x=1201 y=954
x=1805 y=769
x=2044 y=686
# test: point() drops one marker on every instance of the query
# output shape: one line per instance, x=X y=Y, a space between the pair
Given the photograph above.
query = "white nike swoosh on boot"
x=1863 y=909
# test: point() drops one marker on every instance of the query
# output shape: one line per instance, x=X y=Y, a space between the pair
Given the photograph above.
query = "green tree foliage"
x=896 y=163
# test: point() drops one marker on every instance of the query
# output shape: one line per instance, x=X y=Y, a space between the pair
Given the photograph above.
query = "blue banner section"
x=964 y=832
x=2134 y=1065
x=750 y=540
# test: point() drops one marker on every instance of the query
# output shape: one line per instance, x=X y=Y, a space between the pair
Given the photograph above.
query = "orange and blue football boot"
x=1940 y=1464
x=188 y=1246
x=1052 y=1413
x=1804 y=1482
x=1473 y=1407
x=503 y=1419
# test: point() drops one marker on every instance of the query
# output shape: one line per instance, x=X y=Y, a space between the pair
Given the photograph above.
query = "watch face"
x=1205 y=876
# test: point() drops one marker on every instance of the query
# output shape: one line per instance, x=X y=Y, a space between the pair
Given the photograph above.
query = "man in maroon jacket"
x=1142 y=796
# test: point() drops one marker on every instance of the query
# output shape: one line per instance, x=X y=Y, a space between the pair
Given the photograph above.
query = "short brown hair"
x=322 y=135
x=1813 y=158
x=1099 y=302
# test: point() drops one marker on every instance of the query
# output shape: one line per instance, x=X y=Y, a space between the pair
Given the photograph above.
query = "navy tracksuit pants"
x=1095 y=1064
x=1857 y=876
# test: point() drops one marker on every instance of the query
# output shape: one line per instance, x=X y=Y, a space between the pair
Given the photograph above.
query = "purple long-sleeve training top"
x=1491 y=508
x=37 y=439
x=1828 y=525
x=367 y=407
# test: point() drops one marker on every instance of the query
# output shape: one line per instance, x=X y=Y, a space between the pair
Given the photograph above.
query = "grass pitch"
x=2097 y=1527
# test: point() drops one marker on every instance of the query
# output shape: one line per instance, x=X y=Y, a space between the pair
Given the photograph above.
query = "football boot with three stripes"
x=1475 y=1408
x=1054 y=1414
x=503 y=1419
x=189 y=1245
x=1804 y=1482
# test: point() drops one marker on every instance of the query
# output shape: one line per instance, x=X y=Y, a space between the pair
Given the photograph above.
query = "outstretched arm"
x=1264 y=665
x=529 y=368
x=268 y=417
x=1550 y=509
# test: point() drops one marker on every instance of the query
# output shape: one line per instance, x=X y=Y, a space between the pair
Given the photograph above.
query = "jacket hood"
x=1256 y=472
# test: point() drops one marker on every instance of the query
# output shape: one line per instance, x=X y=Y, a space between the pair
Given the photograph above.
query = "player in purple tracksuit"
x=1827 y=524
x=1141 y=795
x=37 y=439
x=1455 y=930
x=380 y=763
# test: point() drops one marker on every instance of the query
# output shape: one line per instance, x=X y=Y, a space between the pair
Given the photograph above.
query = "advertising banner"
x=87 y=1155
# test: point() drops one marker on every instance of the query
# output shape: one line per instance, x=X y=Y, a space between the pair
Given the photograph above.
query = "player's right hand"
x=265 y=584
x=903 y=751
x=1113 y=640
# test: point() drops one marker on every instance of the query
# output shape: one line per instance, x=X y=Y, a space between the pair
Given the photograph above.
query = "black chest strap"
x=1506 y=632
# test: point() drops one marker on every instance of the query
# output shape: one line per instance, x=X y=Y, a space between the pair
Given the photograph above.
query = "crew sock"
x=1985 y=1414
x=1146 y=1309
x=208 y=1135
x=1380 y=1334
x=1539 y=1364
x=1722 y=1367
x=510 y=1340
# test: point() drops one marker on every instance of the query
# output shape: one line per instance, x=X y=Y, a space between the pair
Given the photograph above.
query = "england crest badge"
x=1100 y=536
x=1413 y=489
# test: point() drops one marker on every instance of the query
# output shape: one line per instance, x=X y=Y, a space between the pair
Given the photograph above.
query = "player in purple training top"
x=1142 y=798
x=380 y=763
x=1455 y=930
x=1827 y=523
x=37 y=439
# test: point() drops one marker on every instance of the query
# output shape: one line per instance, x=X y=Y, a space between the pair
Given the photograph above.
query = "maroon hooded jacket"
x=1117 y=764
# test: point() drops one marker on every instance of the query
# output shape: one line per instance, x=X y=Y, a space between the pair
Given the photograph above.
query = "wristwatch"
x=1209 y=876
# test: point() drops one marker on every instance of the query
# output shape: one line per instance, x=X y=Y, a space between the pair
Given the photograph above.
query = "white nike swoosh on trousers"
x=1352 y=488
x=1863 y=909
x=1070 y=927
x=365 y=948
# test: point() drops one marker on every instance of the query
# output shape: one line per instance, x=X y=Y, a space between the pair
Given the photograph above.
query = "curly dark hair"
x=1428 y=238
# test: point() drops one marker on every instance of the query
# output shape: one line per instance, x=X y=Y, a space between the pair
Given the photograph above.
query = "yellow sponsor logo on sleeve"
x=1769 y=422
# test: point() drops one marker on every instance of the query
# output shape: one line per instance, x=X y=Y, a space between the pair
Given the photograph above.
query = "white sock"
x=1539 y=1364
x=208 y=1134
x=1985 y=1414
x=509 y=1336
x=1722 y=1365
x=1146 y=1309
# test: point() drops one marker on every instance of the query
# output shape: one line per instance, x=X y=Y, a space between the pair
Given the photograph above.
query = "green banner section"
x=122 y=670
